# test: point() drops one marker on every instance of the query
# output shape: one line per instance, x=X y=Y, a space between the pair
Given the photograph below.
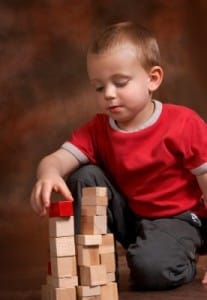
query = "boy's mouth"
x=114 y=108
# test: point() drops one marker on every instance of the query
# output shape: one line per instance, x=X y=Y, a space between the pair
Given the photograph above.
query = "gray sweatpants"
x=161 y=253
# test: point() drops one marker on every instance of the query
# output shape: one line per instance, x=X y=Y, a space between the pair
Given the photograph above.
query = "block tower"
x=62 y=276
x=83 y=266
x=95 y=248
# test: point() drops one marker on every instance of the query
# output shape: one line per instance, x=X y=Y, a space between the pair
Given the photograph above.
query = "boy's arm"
x=50 y=173
x=202 y=181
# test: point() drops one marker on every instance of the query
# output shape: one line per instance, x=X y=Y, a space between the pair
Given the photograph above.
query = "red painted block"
x=61 y=209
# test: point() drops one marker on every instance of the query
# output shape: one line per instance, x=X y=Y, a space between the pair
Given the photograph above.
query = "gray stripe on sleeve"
x=83 y=159
x=199 y=170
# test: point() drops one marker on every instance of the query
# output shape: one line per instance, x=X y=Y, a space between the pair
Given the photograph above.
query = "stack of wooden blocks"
x=89 y=258
x=62 y=276
x=95 y=248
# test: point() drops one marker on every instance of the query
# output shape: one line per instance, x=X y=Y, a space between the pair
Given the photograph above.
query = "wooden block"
x=101 y=210
x=45 y=292
x=63 y=293
x=109 y=291
x=87 y=291
x=89 y=239
x=64 y=282
x=61 y=209
x=108 y=259
x=62 y=246
x=111 y=277
x=93 y=225
x=64 y=266
x=88 y=255
x=93 y=275
x=106 y=249
x=94 y=191
x=107 y=245
x=95 y=200
x=108 y=239
x=93 y=210
x=61 y=226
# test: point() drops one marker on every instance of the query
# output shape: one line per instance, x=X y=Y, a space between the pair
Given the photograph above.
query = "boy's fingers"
x=34 y=201
x=41 y=194
x=63 y=189
x=39 y=198
x=43 y=212
x=45 y=195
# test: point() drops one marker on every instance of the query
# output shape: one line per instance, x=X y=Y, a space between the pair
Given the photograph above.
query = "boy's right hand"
x=41 y=193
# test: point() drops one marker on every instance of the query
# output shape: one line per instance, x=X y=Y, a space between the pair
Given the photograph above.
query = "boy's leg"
x=118 y=213
x=203 y=231
x=164 y=254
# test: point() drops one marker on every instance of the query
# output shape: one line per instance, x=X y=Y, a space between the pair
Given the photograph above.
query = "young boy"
x=152 y=157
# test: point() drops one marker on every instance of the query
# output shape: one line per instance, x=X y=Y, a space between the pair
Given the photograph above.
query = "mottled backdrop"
x=44 y=94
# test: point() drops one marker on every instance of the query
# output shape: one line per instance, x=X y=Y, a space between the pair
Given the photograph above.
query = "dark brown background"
x=44 y=94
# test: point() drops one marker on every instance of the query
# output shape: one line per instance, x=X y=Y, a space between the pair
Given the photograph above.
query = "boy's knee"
x=144 y=272
x=151 y=271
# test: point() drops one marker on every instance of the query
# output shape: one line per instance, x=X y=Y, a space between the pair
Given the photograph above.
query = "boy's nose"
x=110 y=92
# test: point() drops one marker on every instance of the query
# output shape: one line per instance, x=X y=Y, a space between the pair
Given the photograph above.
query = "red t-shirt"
x=155 y=165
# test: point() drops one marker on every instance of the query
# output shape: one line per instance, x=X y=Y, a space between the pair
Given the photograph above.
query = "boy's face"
x=122 y=85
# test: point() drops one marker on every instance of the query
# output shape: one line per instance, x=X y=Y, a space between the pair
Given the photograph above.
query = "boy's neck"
x=135 y=124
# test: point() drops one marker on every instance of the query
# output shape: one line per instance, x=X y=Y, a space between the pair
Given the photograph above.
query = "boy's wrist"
x=41 y=175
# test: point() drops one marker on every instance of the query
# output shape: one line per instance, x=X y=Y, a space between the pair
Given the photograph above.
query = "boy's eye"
x=121 y=83
x=117 y=83
x=99 y=88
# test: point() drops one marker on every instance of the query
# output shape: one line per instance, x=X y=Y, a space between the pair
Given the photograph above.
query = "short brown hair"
x=144 y=41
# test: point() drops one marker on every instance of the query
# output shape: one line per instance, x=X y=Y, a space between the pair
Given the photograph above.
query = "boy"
x=151 y=156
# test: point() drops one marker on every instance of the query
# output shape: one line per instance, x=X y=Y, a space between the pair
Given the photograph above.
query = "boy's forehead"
x=126 y=49
x=122 y=59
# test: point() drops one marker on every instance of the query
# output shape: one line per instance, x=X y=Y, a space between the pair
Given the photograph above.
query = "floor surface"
x=12 y=287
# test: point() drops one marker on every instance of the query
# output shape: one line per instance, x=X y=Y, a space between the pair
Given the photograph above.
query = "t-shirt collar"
x=153 y=119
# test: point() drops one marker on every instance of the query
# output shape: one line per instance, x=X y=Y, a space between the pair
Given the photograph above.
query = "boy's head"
x=145 y=43
x=123 y=65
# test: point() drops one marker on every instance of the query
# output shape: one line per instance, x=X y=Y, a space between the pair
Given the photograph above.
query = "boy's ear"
x=155 y=78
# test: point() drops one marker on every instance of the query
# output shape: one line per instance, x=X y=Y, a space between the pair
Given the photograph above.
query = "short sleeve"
x=82 y=143
x=194 y=143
